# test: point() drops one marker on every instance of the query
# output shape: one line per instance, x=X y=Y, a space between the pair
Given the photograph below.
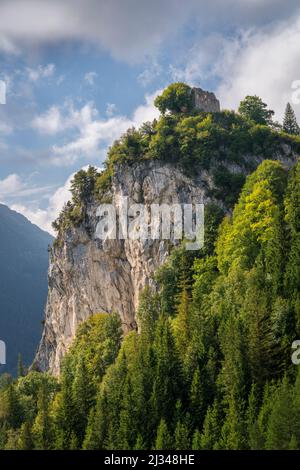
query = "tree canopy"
x=253 y=108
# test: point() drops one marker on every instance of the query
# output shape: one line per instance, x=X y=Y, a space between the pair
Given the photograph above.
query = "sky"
x=78 y=73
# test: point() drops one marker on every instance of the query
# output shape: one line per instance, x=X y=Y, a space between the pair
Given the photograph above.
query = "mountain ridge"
x=23 y=284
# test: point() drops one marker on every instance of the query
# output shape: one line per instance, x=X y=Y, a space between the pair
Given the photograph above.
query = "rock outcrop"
x=88 y=275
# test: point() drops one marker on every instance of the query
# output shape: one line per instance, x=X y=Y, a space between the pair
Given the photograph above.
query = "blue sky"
x=79 y=73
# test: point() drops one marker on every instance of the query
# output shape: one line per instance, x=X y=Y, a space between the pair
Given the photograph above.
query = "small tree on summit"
x=83 y=184
x=252 y=107
x=290 y=124
x=176 y=98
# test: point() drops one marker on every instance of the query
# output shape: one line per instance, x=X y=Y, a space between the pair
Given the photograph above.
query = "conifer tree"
x=82 y=398
x=65 y=413
x=211 y=432
x=128 y=427
x=13 y=409
x=139 y=444
x=181 y=436
x=197 y=396
x=20 y=366
x=97 y=427
x=43 y=432
x=25 y=441
x=196 y=442
x=281 y=421
x=167 y=372
x=255 y=439
x=290 y=124
x=163 y=438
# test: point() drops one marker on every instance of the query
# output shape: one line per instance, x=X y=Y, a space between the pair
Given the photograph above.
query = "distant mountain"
x=23 y=285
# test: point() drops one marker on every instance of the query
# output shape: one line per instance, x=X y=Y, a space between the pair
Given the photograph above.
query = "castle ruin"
x=205 y=101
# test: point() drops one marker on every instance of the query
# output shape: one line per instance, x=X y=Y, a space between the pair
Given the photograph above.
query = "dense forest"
x=210 y=367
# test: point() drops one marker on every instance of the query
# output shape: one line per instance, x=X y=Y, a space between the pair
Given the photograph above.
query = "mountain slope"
x=187 y=156
x=23 y=284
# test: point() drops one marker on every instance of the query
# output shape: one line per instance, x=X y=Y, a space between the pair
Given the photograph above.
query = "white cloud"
x=150 y=73
x=10 y=185
x=5 y=129
x=129 y=29
x=41 y=71
x=44 y=217
x=93 y=132
x=7 y=46
x=263 y=63
x=110 y=109
x=90 y=78
x=13 y=186
x=51 y=122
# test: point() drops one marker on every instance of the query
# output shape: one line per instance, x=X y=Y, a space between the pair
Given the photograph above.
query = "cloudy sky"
x=78 y=73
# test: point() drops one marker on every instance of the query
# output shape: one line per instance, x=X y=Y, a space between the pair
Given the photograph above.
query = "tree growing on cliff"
x=177 y=98
x=290 y=124
x=83 y=184
x=253 y=108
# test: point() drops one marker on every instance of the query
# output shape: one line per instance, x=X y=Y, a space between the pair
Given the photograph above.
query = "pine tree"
x=255 y=438
x=128 y=426
x=42 y=430
x=233 y=378
x=163 y=438
x=293 y=445
x=13 y=409
x=20 y=366
x=97 y=427
x=65 y=413
x=25 y=441
x=82 y=397
x=139 y=444
x=181 y=436
x=292 y=218
x=290 y=124
x=281 y=423
x=296 y=408
x=196 y=442
x=167 y=372
x=211 y=433
x=181 y=324
x=197 y=395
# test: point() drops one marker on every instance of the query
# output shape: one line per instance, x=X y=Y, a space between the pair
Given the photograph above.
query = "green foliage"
x=253 y=108
x=210 y=367
x=83 y=186
x=163 y=439
x=191 y=139
x=177 y=98
x=290 y=124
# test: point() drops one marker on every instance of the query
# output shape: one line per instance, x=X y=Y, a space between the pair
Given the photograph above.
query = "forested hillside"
x=211 y=365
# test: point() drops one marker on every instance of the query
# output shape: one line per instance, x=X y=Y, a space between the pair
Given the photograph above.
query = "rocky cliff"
x=88 y=275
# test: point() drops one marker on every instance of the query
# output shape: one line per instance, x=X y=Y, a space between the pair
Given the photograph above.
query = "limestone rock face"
x=88 y=275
